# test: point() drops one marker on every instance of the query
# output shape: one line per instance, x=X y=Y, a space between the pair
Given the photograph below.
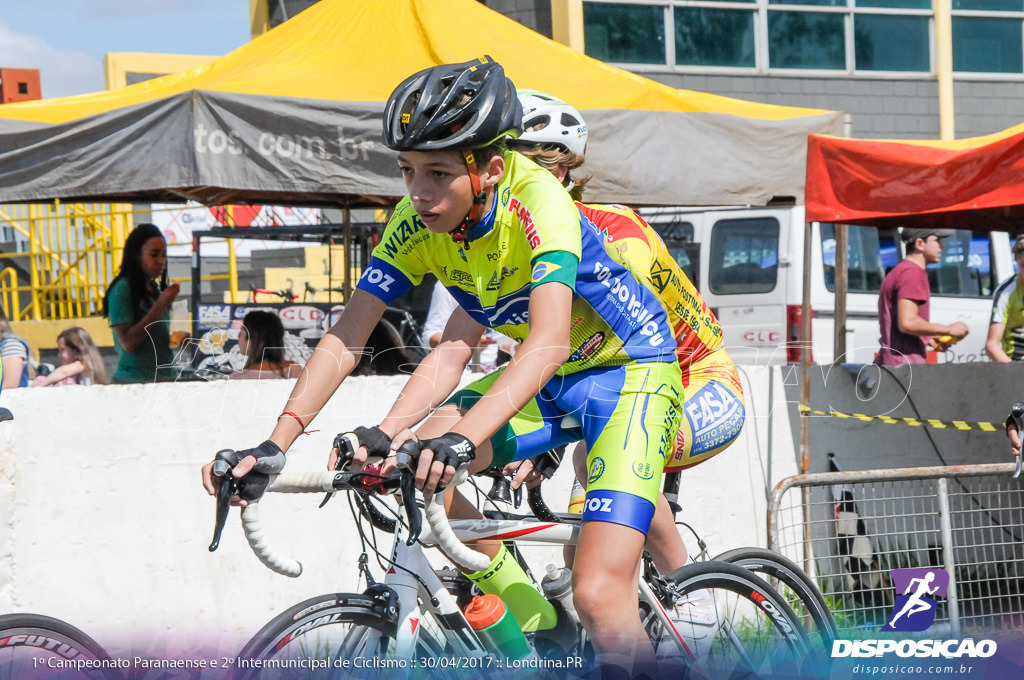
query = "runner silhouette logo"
x=914 y=609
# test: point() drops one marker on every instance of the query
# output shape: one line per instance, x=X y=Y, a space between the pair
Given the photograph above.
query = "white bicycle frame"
x=413 y=569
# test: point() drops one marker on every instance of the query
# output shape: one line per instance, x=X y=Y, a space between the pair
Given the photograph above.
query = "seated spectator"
x=14 y=354
x=261 y=341
x=80 y=359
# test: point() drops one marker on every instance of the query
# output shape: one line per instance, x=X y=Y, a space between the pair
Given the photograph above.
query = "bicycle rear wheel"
x=732 y=623
x=34 y=647
x=795 y=586
x=340 y=635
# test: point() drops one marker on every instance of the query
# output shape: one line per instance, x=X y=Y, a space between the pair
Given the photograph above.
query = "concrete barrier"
x=103 y=521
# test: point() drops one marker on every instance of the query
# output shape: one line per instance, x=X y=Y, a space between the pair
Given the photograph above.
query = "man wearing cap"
x=1006 y=330
x=903 y=302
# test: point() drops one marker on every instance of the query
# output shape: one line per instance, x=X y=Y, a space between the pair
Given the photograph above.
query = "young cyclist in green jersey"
x=596 y=347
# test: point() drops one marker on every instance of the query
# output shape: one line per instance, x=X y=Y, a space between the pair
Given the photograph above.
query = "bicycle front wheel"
x=795 y=586
x=732 y=624
x=34 y=647
x=339 y=635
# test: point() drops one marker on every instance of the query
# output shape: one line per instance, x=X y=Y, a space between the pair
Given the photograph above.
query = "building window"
x=877 y=51
x=808 y=40
x=707 y=36
x=983 y=45
x=633 y=34
x=894 y=36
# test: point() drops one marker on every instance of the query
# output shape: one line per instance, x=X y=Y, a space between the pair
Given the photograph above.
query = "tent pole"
x=805 y=391
x=841 y=288
x=346 y=221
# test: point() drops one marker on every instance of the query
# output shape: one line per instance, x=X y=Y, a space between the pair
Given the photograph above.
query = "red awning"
x=975 y=184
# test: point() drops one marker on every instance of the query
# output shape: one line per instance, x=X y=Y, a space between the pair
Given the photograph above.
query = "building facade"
x=874 y=59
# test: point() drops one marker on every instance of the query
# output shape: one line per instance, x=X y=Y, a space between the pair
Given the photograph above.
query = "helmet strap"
x=479 y=199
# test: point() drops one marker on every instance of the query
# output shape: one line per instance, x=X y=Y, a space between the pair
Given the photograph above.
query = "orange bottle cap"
x=484 y=611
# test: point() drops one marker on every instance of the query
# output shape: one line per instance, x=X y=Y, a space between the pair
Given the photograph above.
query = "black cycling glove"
x=452 y=449
x=270 y=459
x=376 y=442
x=547 y=463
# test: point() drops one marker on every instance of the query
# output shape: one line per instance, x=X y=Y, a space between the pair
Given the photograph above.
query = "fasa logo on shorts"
x=914 y=609
x=596 y=470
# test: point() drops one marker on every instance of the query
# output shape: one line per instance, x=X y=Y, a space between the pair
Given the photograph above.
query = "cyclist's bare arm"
x=541 y=354
x=332 y=361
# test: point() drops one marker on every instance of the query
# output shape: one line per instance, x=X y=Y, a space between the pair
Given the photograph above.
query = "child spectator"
x=261 y=341
x=14 y=355
x=80 y=359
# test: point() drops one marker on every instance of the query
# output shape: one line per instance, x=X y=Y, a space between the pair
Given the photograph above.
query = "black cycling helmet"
x=452 y=107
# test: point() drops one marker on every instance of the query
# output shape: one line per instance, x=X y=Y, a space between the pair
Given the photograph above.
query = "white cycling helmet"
x=549 y=120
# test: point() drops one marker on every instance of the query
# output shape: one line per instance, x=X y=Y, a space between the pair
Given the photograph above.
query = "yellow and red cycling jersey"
x=694 y=326
x=713 y=408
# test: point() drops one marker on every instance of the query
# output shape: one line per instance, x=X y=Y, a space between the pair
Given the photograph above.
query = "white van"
x=748 y=265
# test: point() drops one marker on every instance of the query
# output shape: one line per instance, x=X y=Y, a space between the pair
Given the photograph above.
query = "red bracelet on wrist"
x=299 y=420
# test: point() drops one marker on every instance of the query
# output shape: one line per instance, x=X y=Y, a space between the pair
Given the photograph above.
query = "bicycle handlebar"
x=330 y=481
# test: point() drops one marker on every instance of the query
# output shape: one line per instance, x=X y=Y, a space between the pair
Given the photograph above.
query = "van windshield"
x=964 y=271
x=744 y=256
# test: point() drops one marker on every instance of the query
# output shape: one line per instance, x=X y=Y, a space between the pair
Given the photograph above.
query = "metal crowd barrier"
x=849 y=529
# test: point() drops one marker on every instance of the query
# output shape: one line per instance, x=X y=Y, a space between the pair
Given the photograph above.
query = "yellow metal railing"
x=68 y=254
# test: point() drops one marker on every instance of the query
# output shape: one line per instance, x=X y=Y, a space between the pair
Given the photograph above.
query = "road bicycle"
x=717 y=617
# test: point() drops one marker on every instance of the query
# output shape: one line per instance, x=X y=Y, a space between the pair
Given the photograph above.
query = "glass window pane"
x=877 y=51
x=987 y=45
x=744 y=256
x=965 y=268
x=826 y=3
x=714 y=37
x=895 y=4
x=863 y=261
x=806 y=40
x=633 y=34
x=991 y=5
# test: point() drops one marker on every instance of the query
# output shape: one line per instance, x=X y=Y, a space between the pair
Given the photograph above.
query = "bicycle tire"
x=36 y=646
x=811 y=607
x=734 y=625
x=326 y=631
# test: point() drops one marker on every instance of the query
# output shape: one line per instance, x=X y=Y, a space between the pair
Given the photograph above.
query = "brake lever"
x=222 y=464
x=347 y=445
x=405 y=458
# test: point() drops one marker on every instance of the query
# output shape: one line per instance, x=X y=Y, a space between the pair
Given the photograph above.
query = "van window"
x=744 y=256
x=965 y=269
x=865 y=267
x=678 y=238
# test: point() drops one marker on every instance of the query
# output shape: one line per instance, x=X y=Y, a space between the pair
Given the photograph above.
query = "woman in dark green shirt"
x=137 y=304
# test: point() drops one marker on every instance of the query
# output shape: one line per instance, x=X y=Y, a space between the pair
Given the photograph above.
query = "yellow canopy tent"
x=294 y=117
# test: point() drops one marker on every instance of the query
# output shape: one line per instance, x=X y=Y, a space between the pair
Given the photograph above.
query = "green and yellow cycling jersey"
x=532 y=234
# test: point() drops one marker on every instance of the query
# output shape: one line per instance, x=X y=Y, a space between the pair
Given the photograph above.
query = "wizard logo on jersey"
x=914 y=609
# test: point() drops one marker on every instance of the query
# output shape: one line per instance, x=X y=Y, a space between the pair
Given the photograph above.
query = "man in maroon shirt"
x=903 y=302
